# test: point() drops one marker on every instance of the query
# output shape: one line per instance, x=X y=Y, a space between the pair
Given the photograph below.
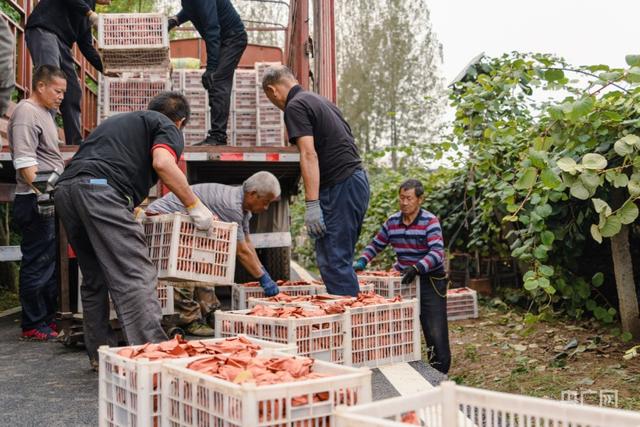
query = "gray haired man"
x=230 y=204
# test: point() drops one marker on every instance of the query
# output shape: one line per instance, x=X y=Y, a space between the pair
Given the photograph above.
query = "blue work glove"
x=314 y=219
x=269 y=286
x=360 y=264
x=409 y=274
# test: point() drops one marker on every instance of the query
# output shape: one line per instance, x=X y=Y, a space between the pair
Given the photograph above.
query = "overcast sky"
x=584 y=32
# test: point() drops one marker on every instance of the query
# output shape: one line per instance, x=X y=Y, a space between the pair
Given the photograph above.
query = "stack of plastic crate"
x=269 y=118
x=189 y=83
x=242 y=116
x=135 y=45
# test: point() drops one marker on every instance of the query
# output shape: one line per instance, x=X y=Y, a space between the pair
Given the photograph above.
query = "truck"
x=309 y=50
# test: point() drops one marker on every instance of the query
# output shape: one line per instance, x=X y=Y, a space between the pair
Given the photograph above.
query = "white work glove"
x=93 y=18
x=201 y=215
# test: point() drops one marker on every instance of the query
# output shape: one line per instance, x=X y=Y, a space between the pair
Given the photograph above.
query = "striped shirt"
x=419 y=243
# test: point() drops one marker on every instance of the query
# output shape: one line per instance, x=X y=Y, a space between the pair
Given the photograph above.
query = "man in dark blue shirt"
x=335 y=185
x=224 y=35
x=52 y=29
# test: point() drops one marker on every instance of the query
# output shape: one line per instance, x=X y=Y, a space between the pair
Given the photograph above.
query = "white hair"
x=264 y=183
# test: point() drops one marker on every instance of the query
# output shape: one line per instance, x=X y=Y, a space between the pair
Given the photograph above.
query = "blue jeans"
x=38 y=283
x=433 y=317
x=343 y=206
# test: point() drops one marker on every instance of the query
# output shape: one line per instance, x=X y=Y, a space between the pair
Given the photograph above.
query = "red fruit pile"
x=179 y=347
x=390 y=273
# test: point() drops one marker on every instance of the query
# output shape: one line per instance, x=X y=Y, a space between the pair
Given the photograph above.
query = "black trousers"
x=231 y=48
x=433 y=317
x=113 y=257
x=38 y=284
x=46 y=49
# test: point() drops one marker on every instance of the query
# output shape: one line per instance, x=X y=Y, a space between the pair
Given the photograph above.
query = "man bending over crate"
x=111 y=174
x=225 y=38
x=230 y=204
x=416 y=237
x=336 y=188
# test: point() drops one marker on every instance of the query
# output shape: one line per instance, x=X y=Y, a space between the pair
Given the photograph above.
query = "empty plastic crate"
x=129 y=92
x=191 y=398
x=129 y=389
x=450 y=405
x=240 y=293
x=165 y=297
x=462 y=303
x=133 y=41
x=319 y=337
x=390 y=286
x=181 y=252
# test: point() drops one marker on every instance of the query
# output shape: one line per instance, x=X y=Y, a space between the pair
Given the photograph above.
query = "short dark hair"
x=412 y=183
x=275 y=74
x=46 y=73
x=172 y=104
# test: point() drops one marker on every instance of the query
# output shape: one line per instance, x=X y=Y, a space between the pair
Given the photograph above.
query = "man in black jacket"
x=220 y=26
x=52 y=29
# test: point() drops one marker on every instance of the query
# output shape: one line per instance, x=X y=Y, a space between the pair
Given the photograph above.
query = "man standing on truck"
x=230 y=204
x=416 y=237
x=7 y=60
x=52 y=29
x=224 y=35
x=33 y=142
x=111 y=174
x=335 y=184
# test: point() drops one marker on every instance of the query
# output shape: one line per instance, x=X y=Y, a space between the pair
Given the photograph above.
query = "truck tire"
x=277 y=261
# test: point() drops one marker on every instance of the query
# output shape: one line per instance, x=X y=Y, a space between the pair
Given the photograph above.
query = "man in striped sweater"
x=416 y=237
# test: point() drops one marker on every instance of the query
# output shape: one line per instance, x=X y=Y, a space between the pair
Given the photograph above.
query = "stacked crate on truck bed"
x=189 y=83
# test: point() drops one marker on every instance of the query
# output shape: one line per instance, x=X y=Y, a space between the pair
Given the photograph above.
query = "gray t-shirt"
x=33 y=141
x=224 y=201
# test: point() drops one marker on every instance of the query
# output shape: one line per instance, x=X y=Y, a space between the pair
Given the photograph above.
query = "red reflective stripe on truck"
x=232 y=156
x=273 y=157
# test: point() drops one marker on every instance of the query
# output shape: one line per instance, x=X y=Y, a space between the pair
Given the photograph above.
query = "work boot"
x=199 y=330
x=212 y=140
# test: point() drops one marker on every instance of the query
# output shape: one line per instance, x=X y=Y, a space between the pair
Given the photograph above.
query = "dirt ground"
x=498 y=351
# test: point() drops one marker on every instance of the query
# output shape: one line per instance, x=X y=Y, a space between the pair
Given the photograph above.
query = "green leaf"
x=632 y=60
x=620 y=180
x=628 y=212
x=633 y=74
x=544 y=210
x=622 y=148
x=567 y=164
x=550 y=179
x=540 y=252
x=601 y=206
x=626 y=336
x=590 y=180
x=547 y=238
x=581 y=108
x=553 y=75
x=610 y=76
x=527 y=180
x=531 y=285
x=546 y=270
x=579 y=191
x=611 y=227
x=632 y=140
x=597 y=279
x=634 y=185
x=595 y=233
x=538 y=158
x=594 y=161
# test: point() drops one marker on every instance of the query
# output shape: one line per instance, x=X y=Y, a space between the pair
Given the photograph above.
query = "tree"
x=388 y=88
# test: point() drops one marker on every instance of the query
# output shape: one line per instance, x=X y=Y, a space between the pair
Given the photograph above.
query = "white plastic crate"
x=165 y=297
x=133 y=41
x=244 y=120
x=462 y=303
x=319 y=337
x=245 y=80
x=181 y=252
x=364 y=287
x=374 y=335
x=191 y=398
x=129 y=389
x=382 y=334
x=129 y=92
x=198 y=121
x=240 y=294
x=243 y=100
x=192 y=79
x=244 y=139
x=450 y=405
x=270 y=137
x=390 y=286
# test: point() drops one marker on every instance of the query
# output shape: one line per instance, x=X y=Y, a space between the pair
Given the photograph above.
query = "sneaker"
x=53 y=326
x=199 y=329
x=211 y=140
x=41 y=333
